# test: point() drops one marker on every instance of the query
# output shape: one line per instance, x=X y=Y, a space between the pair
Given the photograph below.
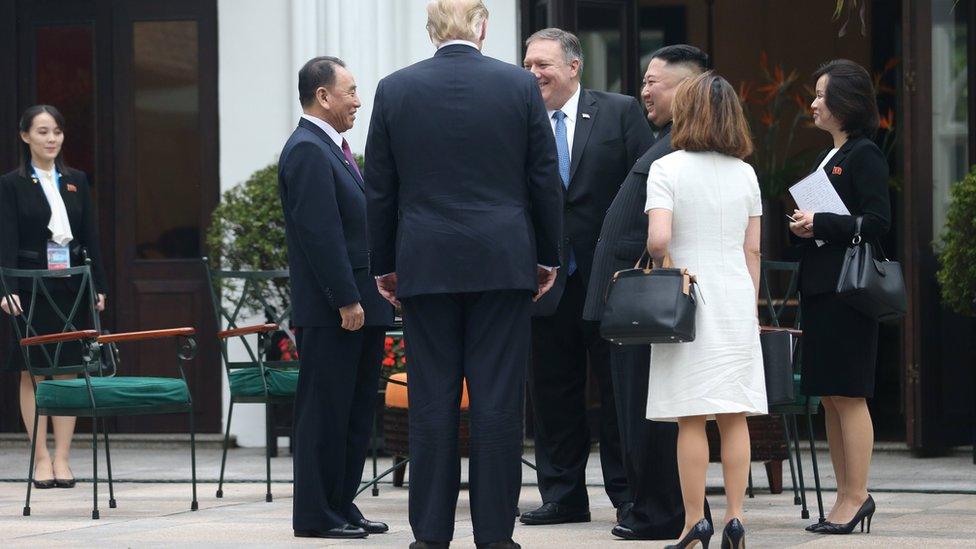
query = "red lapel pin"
x=837 y=170
x=71 y=188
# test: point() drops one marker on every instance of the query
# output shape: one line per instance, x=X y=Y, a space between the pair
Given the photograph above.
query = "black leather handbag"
x=777 y=352
x=873 y=286
x=650 y=305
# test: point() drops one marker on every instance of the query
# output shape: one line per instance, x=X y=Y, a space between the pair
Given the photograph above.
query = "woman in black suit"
x=839 y=343
x=44 y=201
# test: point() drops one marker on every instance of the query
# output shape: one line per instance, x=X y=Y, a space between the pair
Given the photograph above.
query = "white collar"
x=453 y=42
x=326 y=127
x=572 y=106
x=49 y=173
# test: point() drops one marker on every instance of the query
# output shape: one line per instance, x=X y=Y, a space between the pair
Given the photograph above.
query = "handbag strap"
x=857 y=239
x=648 y=261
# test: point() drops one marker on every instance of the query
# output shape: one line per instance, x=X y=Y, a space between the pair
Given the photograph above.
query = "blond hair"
x=455 y=20
x=708 y=117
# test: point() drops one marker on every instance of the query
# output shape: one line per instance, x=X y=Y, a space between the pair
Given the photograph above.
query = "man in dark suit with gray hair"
x=464 y=206
x=598 y=135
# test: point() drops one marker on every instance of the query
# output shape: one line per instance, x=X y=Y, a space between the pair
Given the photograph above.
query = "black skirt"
x=46 y=321
x=840 y=348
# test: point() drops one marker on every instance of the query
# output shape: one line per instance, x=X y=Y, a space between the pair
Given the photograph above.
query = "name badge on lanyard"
x=58 y=256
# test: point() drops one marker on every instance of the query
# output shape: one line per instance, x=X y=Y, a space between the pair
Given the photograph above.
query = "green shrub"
x=957 y=274
x=247 y=232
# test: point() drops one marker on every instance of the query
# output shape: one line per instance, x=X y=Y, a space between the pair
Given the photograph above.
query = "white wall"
x=263 y=43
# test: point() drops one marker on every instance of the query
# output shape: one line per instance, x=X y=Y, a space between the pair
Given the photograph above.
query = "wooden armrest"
x=149 y=334
x=770 y=329
x=58 y=338
x=256 y=329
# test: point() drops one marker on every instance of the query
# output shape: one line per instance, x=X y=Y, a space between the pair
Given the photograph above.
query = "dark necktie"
x=350 y=159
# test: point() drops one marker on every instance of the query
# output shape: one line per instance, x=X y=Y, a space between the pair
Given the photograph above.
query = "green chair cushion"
x=247 y=382
x=112 y=392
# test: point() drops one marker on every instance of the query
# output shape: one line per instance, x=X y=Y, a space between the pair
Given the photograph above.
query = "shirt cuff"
x=547 y=267
x=383 y=276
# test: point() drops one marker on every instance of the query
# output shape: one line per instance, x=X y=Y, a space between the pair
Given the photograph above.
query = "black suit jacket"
x=325 y=227
x=611 y=134
x=463 y=190
x=24 y=216
x=623 y=237
x=862 y=183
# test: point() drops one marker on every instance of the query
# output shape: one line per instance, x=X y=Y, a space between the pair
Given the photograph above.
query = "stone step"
x=131 y=440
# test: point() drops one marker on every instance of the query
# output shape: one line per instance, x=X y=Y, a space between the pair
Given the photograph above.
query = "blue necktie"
x=562 y=152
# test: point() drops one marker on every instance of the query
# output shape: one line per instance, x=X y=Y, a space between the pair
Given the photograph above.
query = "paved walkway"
x=921 y=503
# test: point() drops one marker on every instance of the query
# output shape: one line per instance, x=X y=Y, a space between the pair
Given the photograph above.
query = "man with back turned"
x=464 y=206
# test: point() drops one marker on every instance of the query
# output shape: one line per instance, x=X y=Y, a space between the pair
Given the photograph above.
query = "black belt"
x=31 y=255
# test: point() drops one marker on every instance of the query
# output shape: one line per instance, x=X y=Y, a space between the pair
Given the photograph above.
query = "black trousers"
x=482 y=337
x=561 y=344
x=334 y=407
x=650 y=449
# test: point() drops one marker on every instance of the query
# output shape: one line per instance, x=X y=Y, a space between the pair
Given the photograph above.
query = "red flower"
x=887 y=122
x=389 y=362
x=766 y=119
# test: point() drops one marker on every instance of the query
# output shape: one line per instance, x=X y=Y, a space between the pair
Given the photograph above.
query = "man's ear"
x=484 y=31
x=575 y=65
x=322 y=97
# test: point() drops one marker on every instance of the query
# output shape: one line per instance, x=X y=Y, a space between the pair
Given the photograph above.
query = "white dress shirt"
x=570 y=108
x=59 y=225
x=465 y=42
x=327 y=128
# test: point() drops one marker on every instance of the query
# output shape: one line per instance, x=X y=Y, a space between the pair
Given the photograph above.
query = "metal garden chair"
x=252 y=380
x=98 y=392
x=776 y=310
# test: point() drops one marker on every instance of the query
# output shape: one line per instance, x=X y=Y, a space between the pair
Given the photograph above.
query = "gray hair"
x=567 y=41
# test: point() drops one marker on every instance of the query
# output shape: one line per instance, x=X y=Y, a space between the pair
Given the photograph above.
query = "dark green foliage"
x=247 y=231
x=957 y=274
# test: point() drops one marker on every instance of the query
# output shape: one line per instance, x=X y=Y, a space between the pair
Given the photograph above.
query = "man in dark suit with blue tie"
x=599 y=135
x=464 y=208
x=339 y=316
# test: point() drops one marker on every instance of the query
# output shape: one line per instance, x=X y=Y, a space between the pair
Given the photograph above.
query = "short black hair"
x=683 y=54
x=850 y=97
x=318 y=72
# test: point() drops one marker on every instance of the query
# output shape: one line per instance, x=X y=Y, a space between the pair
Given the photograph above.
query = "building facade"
x=171 y=102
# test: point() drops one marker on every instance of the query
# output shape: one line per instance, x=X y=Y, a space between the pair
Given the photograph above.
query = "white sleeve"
x=660 y=189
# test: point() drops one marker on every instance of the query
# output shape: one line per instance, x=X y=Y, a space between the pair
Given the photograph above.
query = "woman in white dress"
x=704 y=209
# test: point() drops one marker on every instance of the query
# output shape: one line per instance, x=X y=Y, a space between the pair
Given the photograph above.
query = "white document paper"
x=815 y=193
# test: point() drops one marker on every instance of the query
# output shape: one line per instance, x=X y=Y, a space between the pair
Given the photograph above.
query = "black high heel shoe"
x=45 y=484
x=865 y=513
x=734 y=535
x=701 y=532
x=816 y=526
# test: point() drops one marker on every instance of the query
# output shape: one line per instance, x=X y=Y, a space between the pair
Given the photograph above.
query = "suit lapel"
x=585 y=115
x=342 y=158
x=332 y=147
x=838 y=157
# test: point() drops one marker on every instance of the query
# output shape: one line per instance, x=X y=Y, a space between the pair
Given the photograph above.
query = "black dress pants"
x=482 y=337
x=334 y=406
x=650 y=449
x=561 y=344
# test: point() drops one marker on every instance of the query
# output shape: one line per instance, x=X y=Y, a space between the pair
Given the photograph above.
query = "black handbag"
x=777 y=352
x=873 y=286
x=649 y=305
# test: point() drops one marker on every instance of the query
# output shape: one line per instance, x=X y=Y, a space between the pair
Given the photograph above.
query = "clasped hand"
x=802 y=224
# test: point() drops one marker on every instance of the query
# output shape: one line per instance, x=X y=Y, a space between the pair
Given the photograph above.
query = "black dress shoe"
x=346 y=531
x=61 y=483
x=627 y=532
x=370 y=526
x=507 y=544
x=554 y=513
x=430 y=545
x=624 y=510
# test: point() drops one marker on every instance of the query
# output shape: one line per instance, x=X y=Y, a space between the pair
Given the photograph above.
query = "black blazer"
x=463 y=190
x=859 y=173
x=611 y=134
x=325 y=227
x=24 y=216
x=623 y=237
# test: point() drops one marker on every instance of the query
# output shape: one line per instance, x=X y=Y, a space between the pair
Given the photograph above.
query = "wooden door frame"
x=184 y=275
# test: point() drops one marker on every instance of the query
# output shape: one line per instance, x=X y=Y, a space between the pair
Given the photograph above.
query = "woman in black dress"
x=44 y=201
x=839 y=343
